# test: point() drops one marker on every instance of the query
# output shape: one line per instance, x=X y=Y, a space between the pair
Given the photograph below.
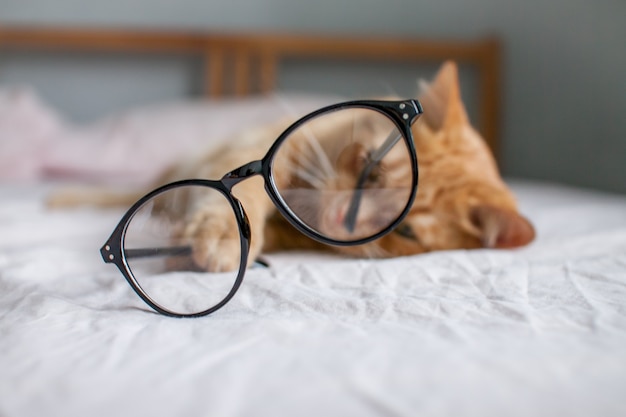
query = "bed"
x=539 y=330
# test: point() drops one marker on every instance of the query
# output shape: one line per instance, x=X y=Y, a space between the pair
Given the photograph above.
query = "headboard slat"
x=214 y=72
x=253 y=58
x=242 y=72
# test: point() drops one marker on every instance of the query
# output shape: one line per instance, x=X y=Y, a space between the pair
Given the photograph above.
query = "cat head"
x=462 y=202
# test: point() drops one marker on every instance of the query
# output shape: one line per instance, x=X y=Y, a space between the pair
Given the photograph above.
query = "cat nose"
x=501 y=228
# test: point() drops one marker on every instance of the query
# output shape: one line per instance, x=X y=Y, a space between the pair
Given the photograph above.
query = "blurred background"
x=564 y=91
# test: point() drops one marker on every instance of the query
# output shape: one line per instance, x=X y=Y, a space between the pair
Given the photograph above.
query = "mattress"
x=539 y=330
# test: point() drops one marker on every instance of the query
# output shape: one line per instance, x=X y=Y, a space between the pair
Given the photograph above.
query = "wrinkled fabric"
x=536 y=331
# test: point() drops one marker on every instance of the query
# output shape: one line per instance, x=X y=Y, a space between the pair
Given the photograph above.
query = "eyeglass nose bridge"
x=242 y=173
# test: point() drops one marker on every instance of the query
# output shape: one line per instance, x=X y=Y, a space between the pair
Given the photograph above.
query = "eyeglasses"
x=345 y=174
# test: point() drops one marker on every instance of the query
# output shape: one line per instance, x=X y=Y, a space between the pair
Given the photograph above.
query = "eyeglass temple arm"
x=162 y=251
x=353 y=209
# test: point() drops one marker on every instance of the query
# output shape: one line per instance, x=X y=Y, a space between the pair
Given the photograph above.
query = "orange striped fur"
x=462 y=202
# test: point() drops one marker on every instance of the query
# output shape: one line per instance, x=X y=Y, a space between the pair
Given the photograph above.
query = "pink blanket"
x=132 y=146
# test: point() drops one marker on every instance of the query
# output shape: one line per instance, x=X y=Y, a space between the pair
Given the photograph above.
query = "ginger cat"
x=461 y=203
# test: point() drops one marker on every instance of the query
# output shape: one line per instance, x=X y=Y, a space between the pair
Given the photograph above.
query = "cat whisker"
x=310 y=179
x=311 y=164
x=286 y=105
x=423 y=86
x=386 y=85
x=307 y=173
x=318 y=151
x=307 y=168
x=375 y=251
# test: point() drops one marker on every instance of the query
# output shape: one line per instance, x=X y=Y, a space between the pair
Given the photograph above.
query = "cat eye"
x=405 y=231
x=345 y=174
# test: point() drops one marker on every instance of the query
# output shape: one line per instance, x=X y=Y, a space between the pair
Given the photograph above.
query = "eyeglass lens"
x=346 y=175
x=183 y=248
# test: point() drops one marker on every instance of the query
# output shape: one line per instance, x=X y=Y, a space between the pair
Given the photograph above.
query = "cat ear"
x=501 y=228
x=441 y=98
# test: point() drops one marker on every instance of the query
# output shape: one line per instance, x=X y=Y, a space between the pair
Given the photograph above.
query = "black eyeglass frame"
x=403 y=113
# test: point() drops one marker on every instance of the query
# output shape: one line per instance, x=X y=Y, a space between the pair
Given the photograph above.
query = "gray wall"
x=565 y=86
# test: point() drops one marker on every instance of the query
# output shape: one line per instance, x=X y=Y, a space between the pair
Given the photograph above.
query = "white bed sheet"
x=535 y=331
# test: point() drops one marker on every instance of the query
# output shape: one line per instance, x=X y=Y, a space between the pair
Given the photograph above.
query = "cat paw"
x=215 y=240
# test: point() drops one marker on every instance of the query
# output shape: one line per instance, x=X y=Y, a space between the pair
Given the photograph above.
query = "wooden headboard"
x=246 y=63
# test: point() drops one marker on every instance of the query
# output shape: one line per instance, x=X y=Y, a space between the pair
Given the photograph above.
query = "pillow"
x=132 y=146
x=137 y=145
x=27 y=127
